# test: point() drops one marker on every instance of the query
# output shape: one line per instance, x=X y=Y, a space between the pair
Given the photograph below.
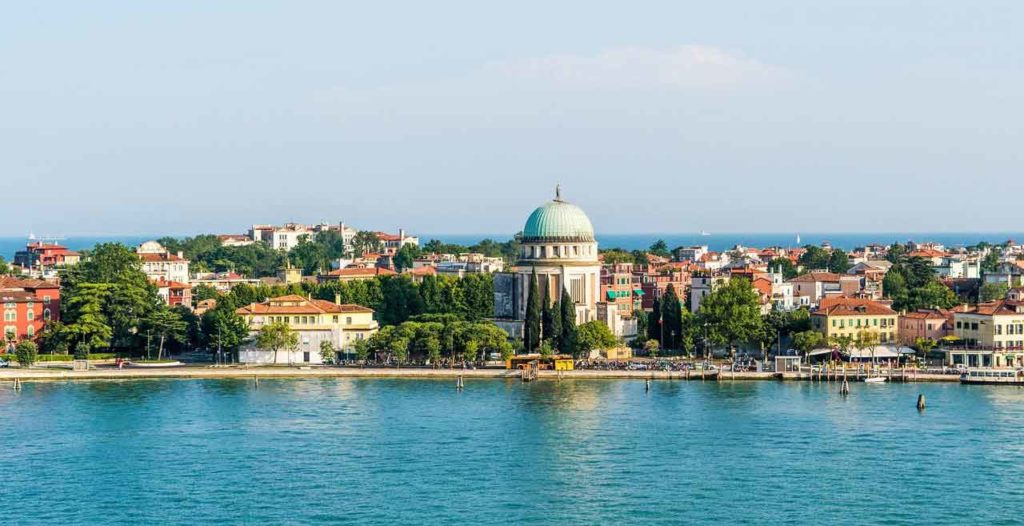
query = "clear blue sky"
x=460 y=117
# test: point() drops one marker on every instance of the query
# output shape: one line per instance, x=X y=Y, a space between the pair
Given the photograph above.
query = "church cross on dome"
x=558 y=192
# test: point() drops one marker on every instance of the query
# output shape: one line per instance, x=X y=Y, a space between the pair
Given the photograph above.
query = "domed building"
x=558 y=244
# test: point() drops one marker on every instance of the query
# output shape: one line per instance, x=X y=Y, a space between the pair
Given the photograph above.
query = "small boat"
x=875 y=380
x=993 y=377
x=705 y=233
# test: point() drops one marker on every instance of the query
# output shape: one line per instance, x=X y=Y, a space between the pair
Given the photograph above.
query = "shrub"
x=26 y=352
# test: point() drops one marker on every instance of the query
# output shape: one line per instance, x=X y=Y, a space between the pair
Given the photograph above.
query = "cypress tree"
x=531 y=326
x=567 y=343
x=654 y=321
x=672 y=317
x=556 y=324
x=547 y=317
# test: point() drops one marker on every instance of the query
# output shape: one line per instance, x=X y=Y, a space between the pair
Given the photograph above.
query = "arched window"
x=46 y=314
x=31 y=332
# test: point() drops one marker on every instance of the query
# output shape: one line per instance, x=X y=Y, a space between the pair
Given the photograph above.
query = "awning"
x=611 y=294
x=638 y=292
x=880 y=352
x=819 y=352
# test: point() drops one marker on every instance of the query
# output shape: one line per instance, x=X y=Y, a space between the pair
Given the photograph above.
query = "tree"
x=660 y=248
x=672 y=318
x=546 y=316
x=732 y=313
x=532 y=323
x=838 y=262
x=815 y=258
x=654 y=321
x=327 y=351
x=26 y=352
x=546 y=349
x=594 y=335
x=365 y=242
x=931 y=295
x=992 y=292
x=309 y=256
x=276 y=336
x=866 y=340
x=556 y=323
x=641 y=324
x=405 y=256
x=362 y=350
x=202 y=292
x=990 y=263
x=222 y=328
x=651 y=346
x=843 y=341
x=166 y=324
x=785 y=265
x=89 y=330
x=807 y=341
x=5 y=269
x=614 y=256
x=53 y=339
x=924 y=346
x=567 y=342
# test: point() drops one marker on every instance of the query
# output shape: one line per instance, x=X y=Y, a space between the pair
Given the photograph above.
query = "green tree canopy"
x=277 y=336
x=732 y=313
x=594 y=335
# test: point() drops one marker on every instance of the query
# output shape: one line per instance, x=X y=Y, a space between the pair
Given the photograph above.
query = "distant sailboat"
x=798 y=239
x=31 y=236
x=705 y=233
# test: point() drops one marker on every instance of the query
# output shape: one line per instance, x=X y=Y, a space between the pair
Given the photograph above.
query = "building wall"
x=885 y=326
x=26 y=319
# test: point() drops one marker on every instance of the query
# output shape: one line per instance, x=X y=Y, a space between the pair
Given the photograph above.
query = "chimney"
x=181 y=254
x=401 y=236
x=337 y=298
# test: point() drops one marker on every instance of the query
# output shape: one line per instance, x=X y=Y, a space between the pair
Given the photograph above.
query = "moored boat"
x=993 y=377
x=875 y=380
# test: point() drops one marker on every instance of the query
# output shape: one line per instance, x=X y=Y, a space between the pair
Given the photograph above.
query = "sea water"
x=382 y=451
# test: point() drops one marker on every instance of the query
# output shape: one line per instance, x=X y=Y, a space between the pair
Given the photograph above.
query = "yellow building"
x=838 y=317
x=314 y=320
x=993 y=334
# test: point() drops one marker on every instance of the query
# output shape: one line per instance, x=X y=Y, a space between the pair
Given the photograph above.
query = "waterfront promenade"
x=207 y=372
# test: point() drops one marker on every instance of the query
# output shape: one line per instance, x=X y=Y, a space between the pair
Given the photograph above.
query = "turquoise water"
x=574 y=452
x=719 y=242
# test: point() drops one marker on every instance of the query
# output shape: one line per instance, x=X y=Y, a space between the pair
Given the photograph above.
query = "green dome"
x=558 y=221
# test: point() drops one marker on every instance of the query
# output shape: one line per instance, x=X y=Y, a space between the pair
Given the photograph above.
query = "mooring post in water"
x=845 y=389
x=920 y=402
x=256 y=382
x=17 y=384
x=459 y=384
x=647 y=384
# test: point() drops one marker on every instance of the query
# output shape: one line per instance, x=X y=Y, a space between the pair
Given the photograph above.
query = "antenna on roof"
x=558 y=192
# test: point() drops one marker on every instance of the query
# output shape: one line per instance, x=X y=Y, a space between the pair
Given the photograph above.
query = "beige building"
x=837 y=317
x=993 y=334
x=314 y=320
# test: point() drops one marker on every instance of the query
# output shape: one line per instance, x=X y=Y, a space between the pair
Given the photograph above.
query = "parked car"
x=4 y=363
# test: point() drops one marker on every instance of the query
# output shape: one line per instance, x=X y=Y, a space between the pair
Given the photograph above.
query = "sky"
x=461 y=116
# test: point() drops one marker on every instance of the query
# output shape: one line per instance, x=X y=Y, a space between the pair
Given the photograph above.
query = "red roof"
x=852 y=307
x=295 y=304
x=361 y=272
x=27 y=284
x=149 y=257
x=175 y=285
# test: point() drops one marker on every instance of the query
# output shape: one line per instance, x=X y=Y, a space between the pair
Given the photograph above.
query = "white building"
x=160 y=265
x=284 y=237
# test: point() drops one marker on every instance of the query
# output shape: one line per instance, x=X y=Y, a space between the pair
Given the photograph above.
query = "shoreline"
x=212 y=373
